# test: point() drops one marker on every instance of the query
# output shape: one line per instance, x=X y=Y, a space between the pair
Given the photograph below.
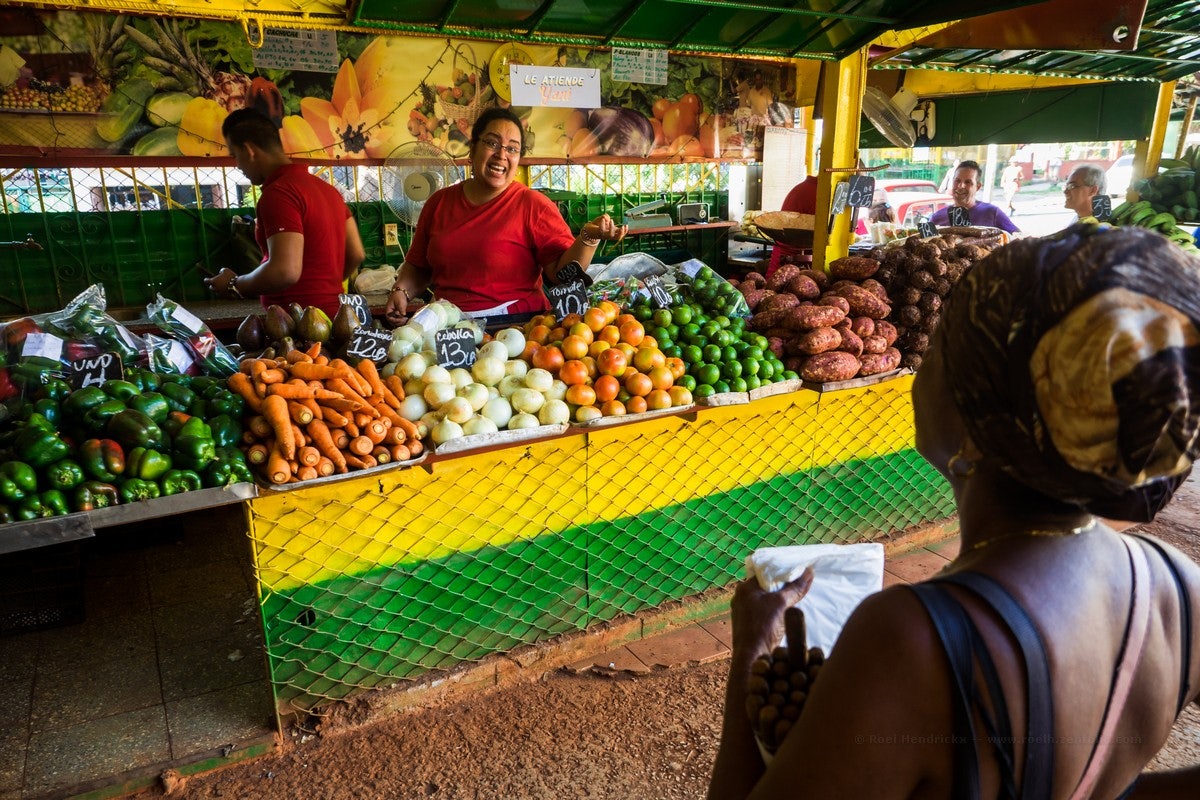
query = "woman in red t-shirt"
x=486 y=244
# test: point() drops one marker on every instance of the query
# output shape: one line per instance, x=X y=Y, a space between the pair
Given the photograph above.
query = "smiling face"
x=1078 y=196
x=966 y=184
x=495 y=156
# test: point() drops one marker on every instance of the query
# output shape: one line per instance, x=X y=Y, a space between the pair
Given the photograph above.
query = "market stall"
x=418 y=562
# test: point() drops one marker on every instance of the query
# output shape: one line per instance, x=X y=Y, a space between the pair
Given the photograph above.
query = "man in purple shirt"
x=966 y=184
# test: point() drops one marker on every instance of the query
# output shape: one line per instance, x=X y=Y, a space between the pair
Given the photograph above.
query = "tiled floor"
x=709 y=641
x=167 y=669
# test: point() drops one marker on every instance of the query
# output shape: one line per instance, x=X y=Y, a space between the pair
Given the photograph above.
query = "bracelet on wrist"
x=407 y=296
x=233 y=289
x=587 y=240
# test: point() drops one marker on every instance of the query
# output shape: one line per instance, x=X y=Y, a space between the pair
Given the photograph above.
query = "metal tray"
x=604 y=422
x=336 y=477
x=499 y=438
x=855 y=383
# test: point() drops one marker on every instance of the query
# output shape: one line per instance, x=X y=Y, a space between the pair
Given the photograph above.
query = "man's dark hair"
x=972 y=165
x=491 y=115
x=248 y=126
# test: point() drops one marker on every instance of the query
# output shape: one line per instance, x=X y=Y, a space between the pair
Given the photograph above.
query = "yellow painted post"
x=808 y=123
x=841 y=109
x=1149 y=151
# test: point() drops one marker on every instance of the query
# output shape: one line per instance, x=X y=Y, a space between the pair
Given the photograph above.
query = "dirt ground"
x=652 y=737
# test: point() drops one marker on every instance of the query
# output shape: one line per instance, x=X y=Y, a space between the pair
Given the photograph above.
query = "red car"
x=909 y=198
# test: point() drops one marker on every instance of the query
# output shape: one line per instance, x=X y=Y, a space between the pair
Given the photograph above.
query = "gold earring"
x=959 y=465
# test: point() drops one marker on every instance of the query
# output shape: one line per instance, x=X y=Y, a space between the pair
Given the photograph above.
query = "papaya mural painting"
x=84 y=84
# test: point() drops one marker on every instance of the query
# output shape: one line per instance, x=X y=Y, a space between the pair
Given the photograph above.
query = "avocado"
x=250 y=334
x=345 y=322
x=315 y=325
x=278 y=323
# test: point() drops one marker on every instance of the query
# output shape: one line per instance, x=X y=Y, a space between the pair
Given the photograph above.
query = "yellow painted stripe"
x=521 y=492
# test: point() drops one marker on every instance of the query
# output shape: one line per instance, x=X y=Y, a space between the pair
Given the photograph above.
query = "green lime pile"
x=719 y=354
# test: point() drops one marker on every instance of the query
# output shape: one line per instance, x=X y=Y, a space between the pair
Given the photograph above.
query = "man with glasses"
x=976 y=212
x=1086 y=182
x=486 y=244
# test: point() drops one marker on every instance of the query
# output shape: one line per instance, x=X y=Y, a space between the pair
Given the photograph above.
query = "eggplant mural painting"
x=84 y=84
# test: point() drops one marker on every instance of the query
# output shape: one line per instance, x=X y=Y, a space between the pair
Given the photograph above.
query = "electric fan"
x=412 y=173
x=902 y=119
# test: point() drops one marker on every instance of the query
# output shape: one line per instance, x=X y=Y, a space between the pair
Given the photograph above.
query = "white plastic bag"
x=843 y=575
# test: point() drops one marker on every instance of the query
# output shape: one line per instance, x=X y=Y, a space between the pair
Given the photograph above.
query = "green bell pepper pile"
x=147 y=436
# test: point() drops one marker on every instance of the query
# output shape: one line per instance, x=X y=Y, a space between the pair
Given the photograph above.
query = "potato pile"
x=918 y=275
x=780 y=682
x=825 y=327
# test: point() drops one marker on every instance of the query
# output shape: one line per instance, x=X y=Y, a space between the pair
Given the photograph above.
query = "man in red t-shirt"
x=803 y=200
x=306 y=232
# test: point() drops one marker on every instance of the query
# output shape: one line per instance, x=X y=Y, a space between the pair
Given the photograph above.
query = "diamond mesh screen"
x=386 y=577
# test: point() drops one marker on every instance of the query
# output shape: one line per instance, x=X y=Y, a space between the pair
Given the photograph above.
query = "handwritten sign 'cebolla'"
x=554 y=87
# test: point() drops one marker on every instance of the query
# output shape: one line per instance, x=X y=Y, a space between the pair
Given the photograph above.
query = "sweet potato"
x=829 y=367
x=863 y=326
x=852 y=343
x=854 y=268
x=804 y=287
x=836 y=301
x=819 y=277
x=753 y=297
x=782 y=276
x=863 y=303
x=779 y=302
x=757 y=279
x=804 y=318
x=876 y=288
x=887 y=330
x=875 y=363
x=873 y=345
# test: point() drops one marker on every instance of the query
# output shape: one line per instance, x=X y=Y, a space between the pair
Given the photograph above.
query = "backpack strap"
x=1038 y=772
x=1185 y=622
x=953 y=625
x=1127 y=664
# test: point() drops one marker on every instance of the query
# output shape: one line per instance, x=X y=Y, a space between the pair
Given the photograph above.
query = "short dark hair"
x=491 y=115
x=249 y=126
x=968 y=164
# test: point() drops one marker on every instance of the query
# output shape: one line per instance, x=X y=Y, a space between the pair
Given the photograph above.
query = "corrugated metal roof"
x=1168 y=48
x=767 y=28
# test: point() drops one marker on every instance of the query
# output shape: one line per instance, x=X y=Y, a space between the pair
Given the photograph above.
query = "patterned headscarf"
x=1075 y=361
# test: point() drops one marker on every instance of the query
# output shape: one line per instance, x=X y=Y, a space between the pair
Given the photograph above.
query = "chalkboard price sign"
x=455 y=347
x=862 y=191
x=362 y=309
x=369 y=344
x=926 y=229
x=96 y=370
x=1102 y=207
x=959 y=217
x=659 y=296
x=571 y=272
x=568 y=298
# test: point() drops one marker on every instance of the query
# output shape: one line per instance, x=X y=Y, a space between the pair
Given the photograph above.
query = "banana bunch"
x=1177 y=188
x=1143 y=214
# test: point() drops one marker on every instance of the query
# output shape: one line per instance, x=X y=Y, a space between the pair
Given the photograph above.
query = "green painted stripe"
x=331 y=639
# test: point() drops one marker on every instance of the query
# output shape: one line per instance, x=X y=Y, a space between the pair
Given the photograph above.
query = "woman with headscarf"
x=1052 y=657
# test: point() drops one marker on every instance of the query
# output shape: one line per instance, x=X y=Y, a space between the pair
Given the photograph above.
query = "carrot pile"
x=312 y=416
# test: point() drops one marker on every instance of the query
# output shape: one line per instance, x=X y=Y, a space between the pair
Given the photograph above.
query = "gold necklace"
x=1031 y=534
